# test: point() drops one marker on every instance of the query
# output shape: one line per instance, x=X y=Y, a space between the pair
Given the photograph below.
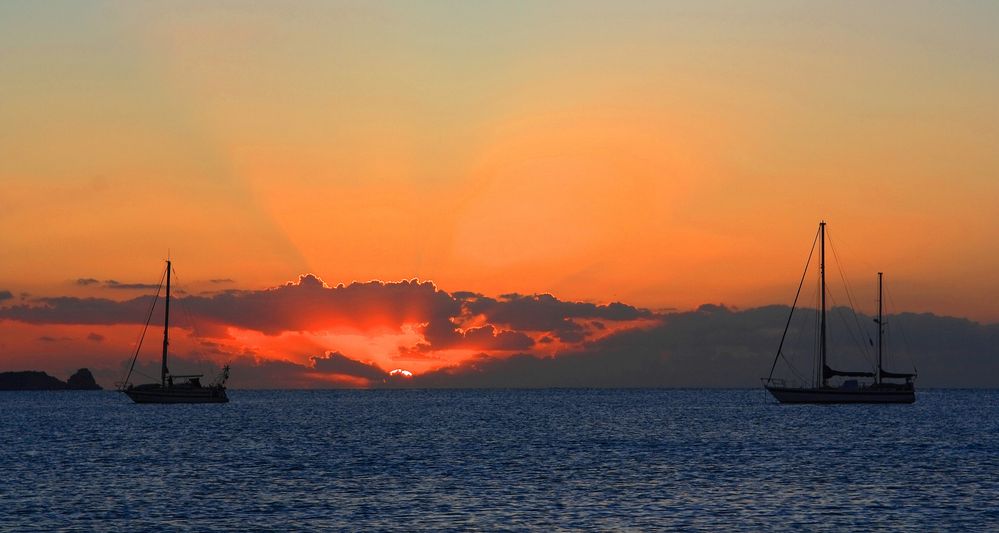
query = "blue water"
x=606 y=459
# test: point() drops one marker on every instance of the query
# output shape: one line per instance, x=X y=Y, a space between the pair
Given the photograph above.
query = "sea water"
x=497 y=459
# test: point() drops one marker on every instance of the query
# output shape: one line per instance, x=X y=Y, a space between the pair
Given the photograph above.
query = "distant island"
x=35 y=380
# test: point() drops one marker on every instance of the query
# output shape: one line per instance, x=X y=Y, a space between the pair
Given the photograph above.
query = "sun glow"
x=658 y=155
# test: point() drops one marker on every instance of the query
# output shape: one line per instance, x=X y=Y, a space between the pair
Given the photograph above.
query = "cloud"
x=221 y=280
x=115 y=284
x=307 y=305
x=459 y=321
x=112 y=284
x=713 y=346
x=545 y=313
x=489 y=338
x=337 y=363
x=95 y=337
x=311 y=305
x=444 y=335
x=718 y=347
x=6 y=295
x=73 y=310
x=47 y=338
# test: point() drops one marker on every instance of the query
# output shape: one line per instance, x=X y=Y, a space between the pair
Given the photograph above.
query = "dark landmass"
x=82 y=380
x=34 y=380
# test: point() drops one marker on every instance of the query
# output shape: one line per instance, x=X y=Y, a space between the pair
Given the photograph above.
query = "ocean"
x=497 y=460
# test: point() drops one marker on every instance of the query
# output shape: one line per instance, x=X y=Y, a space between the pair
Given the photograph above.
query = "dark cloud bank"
x=114 y=284
x=310 y=305
x=717 y=347
x=711 y=347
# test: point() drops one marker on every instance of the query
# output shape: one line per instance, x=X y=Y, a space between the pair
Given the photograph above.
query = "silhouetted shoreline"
x=28 y=380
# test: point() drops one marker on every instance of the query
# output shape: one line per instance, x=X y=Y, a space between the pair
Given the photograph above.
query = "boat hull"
x=177 y=395
x=801 y=395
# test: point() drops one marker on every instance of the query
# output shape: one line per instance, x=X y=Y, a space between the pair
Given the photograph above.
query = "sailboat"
x=173 y=388
x=879 y=390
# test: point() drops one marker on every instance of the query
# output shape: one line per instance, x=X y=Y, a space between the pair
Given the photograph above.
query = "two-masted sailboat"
x=822 y=389
x=172 y=388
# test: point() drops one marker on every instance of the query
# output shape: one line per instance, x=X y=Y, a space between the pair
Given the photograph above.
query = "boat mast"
x=822 y=319
x=166 y=328
x=881 y=327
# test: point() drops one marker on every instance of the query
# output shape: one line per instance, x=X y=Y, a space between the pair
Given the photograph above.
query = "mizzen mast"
x=166 y=327
x=822 y=290
x=881 y=325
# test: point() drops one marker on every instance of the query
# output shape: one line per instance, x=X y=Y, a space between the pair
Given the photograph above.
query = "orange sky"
x=659 y=154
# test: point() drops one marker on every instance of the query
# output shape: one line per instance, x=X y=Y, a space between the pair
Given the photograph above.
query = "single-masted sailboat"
x=172 y=388
x=878 y=390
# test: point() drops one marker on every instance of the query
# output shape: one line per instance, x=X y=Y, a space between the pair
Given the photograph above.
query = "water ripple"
x=503 y=459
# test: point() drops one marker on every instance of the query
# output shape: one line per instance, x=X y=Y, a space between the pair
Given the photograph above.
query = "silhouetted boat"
x=851 y=390
x=169 y=390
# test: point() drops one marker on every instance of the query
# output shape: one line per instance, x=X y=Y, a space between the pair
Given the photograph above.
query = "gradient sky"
x=661 y=154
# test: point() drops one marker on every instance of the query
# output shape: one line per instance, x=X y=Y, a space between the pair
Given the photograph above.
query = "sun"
x=400 y=373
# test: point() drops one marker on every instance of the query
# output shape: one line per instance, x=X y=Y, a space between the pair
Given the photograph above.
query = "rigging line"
x=147 y=376
x=817 y=341
x=813 y=320
x=887 y=333
x=198 y=339
x=849 y=295
x=796 y=341
x=846 y=288
x=145 y=328
x=886 y=340
x=846 y=284
x=793 y=304
x=138 y=342
x=795 y=372
x=846 y=326
x=142 y=336
x=187 y=312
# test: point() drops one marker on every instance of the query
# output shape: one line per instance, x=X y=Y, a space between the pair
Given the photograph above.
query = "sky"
x=431 y=156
